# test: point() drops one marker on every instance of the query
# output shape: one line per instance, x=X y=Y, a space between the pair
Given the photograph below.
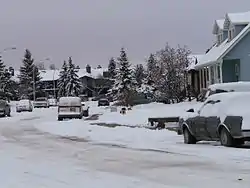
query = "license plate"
x=64 y=110
x=73 y=109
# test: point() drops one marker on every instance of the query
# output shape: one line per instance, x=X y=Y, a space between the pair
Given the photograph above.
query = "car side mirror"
x=190 y=110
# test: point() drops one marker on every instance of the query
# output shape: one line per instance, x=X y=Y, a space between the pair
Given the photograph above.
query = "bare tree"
x=171 y=79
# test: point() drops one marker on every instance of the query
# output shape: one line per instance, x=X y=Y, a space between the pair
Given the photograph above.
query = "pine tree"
x=62 y=81
x=124 y=83
x=2 y=71
x=8 y=87
x=139 y=74
x=152 y=68
x=112 y=68
x=73 y=87
x=28 y=74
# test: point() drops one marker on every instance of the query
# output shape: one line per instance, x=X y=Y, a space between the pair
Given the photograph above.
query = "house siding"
x=240 y=51
x=238 y=29
x=228 y=70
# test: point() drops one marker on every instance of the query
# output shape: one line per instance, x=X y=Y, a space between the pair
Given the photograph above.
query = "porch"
x=219 y=72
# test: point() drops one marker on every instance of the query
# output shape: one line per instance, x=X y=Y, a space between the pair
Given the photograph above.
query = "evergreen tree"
x=8 y=87
x=152 y=68
x=28 y=75
x=74 y=85
x=124 y=83
x=139 y=74
x=62 y=81
x=2 y=72
x=112 y=68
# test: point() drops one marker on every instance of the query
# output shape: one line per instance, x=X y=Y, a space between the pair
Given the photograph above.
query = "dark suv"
x=4 y=108
x=103 y=102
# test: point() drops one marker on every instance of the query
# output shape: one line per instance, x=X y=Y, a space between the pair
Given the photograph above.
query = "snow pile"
x=139 y=115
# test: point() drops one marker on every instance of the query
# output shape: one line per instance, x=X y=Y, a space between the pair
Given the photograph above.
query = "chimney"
x=88 y=69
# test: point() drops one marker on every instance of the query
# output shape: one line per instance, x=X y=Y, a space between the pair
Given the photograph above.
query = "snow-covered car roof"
x=69 y=101
x=24 y=101
x=232 y=104
x=235 y=86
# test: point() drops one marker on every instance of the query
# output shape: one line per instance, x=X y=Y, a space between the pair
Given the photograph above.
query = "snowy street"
x=34 y=153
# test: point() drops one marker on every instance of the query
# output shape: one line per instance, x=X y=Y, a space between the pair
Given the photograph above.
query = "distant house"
x=229 y=58
x=94 y=80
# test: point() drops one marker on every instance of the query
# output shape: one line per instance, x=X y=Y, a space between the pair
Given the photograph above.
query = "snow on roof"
x=220 y=23
x=218 y=52
x=192 y=60
x=70 y=101
x=239 y=18
x=48 y=75
x=236 y=86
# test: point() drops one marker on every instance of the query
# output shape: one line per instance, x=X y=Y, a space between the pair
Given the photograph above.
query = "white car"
x=24 y=105
x=223 y=117
x=70 y=107
x=41 y=102
x=52 y=102
x=225 y=87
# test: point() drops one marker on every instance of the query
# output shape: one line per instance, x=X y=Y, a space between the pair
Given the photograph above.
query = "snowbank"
x=139 y=115
x=140 y=138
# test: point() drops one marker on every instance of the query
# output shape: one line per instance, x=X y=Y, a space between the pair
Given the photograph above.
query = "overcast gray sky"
x=91 y=31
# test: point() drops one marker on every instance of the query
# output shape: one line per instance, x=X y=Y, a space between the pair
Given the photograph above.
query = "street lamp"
x=34 y=78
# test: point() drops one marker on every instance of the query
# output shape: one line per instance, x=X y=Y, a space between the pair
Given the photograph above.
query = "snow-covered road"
x=31 y=158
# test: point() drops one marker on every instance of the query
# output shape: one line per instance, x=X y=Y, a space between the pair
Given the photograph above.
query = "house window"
x=237 y=72
x=218 y=73
x=212 y=74
x=231 y=34
x=219 y=38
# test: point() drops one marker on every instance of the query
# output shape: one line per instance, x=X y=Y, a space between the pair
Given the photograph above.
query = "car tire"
x=60 y=118
x=188 y=137
x=226 y=139
x=239 y=142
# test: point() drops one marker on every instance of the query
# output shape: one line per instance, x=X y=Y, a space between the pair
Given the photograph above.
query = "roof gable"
x=218 y=52
x=218 y=25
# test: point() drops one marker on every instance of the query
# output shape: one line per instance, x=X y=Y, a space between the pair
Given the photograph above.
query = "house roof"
x=193 y=59
x=49 y=75
x=218 y=52
x=220 y=23
x=239 y=18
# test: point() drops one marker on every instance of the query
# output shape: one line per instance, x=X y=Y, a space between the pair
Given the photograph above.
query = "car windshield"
x=41 y=99
x=23 y=102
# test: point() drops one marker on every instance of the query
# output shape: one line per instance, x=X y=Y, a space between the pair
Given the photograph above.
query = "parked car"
x=4 y=108
x=24 y=105
x=224 y=87
x=52 y=102
x=70 y=107
x=103 y=102
x=222 y=118
x=41 y=102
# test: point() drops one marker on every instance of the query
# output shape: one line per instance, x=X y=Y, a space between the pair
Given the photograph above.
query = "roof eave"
x=205 y=64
